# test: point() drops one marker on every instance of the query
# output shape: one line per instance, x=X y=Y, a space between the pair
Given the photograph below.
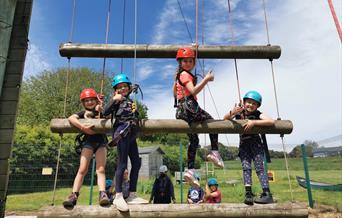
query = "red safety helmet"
x=185 y=53
x=88 y=93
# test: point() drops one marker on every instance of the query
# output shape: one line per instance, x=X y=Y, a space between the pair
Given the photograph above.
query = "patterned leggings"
x=249 y=150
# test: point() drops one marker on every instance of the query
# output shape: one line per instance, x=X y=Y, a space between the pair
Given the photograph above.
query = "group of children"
x=121 y=108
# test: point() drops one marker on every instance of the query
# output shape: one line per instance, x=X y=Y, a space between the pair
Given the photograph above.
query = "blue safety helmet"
x=254 y=95
x=108 y=184
x=212 y=181
x=120 y=78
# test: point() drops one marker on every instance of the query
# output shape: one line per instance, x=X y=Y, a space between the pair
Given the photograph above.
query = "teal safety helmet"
x=212 y=181
x=254 y=95
x=120 y=78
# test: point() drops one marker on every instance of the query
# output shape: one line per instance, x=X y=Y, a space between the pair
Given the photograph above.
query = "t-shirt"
x=96 y=138
x=184 y=77
x=195 y=194
x=215 y=199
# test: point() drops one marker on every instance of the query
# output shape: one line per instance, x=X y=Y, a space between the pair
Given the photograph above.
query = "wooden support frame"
x=167 y=51
x=281 y=210
x=176 y=126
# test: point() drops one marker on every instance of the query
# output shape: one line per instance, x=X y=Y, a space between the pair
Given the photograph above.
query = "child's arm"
x=112 y=104
x=73 y=119
x=194 y=90
x=237 y=109
x=264 y=121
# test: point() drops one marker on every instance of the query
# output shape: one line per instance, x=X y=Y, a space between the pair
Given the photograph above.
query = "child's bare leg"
x=100 y=156
x=86 y=156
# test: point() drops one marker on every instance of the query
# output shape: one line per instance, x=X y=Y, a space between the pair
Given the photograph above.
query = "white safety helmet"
x=162 y=169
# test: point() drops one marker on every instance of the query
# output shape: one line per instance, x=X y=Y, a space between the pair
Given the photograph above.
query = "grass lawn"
x=321 y=169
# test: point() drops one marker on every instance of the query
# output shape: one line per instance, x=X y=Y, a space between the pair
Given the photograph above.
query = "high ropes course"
x=20 y=15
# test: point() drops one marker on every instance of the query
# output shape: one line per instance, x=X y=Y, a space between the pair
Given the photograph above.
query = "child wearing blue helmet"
x=212 y=193
x=123 y=110
x=251 y=147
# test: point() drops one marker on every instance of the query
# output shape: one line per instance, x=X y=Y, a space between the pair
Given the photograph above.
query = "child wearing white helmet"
x=123 y=110
x=251 y=147
x=162 y=191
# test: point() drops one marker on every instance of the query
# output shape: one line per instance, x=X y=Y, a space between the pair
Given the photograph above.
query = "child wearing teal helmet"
x=123 y=110
x=212 y=193
x=251 y=147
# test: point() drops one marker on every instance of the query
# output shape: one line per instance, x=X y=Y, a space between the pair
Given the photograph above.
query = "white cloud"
x=35 y=61
x=308 y=74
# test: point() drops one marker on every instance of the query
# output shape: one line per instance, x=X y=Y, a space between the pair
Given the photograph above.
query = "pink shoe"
x=215 y=157
x=189 y=177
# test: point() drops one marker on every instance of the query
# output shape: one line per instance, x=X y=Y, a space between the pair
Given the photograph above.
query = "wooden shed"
x=151 y=159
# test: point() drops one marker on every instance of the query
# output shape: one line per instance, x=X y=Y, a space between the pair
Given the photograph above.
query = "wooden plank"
x=281 y=210
x=3 y=182
x=5 y=150
x=2 y=194
x=167 y=51
x=12 y=80
x=6 y=136
x=7 y=121
x=3 y=167
x=177 y=126
x=9 y=94
x=8 y=107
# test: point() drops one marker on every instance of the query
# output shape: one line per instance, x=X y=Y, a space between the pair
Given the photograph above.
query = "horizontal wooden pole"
x=176 y=126
x=167 y=51
x=181 y=210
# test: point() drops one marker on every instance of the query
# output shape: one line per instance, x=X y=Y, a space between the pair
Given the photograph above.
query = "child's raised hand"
x=88 y=130
x=118 y=97
x=237 y=109
x=99 y=108
x=209 y=76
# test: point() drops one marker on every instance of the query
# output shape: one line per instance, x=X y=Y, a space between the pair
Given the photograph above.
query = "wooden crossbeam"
x=176 y=126
x=281 y=210
x=167 y=51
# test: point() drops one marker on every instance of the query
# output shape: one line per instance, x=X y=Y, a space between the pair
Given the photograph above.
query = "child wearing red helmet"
x=185 y=89
x=90 y=143
x=251 y=147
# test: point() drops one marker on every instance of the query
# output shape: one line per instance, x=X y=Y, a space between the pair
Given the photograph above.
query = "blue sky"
x=308 y=73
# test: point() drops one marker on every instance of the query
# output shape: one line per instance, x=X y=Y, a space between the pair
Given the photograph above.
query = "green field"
x=321 y=169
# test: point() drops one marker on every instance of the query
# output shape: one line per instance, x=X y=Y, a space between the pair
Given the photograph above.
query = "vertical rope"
x=230 y=21
x=276 y=100
x=337 y=24
x=123 y=31
x=65 y=102
x=104 y=59
x=135 y=44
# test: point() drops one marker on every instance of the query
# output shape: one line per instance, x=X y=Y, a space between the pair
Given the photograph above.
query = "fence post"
x=307 y=177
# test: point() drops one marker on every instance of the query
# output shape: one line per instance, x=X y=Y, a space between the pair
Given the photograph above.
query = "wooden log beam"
x=176 y=126
x=167 y=51
x=282 y=210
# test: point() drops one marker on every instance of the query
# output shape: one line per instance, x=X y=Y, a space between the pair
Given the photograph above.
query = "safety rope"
x=123 y=31
x=135 y=46
x=337 y=24
x=276 y=100
x=65 y=102
x=230 y=20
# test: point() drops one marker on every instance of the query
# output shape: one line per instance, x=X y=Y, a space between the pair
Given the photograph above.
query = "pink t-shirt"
x=184 y=78
x=216 y=199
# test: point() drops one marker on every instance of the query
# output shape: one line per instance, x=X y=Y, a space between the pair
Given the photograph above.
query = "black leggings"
x=190 y=112
x=127 y=147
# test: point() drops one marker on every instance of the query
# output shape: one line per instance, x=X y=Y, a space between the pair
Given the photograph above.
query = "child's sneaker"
x=71 y=201
x=215 y=157
x=265 y=198
x=189 y=177
x=249 y=198
x=120 y=203
x=134 y=199
x=103 y=199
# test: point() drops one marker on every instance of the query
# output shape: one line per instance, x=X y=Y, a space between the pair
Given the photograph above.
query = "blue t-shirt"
x=195 y=194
